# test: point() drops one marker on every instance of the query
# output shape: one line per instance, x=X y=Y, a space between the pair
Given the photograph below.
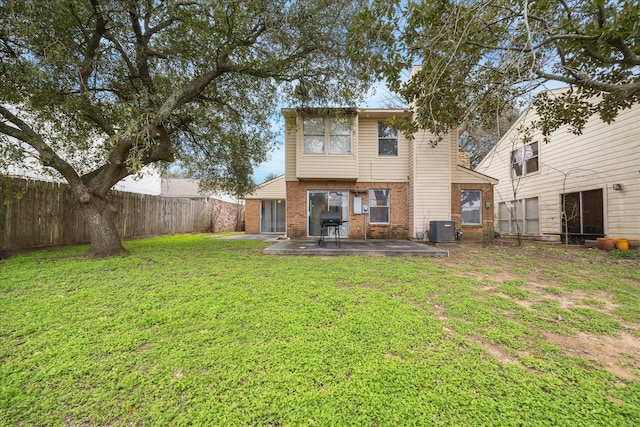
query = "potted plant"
x=605 y=243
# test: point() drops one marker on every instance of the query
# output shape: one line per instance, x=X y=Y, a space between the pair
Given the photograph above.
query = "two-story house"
x=581 y=186
x=347 y=160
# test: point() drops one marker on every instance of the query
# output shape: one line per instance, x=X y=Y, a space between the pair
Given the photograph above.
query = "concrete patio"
x=355 y=247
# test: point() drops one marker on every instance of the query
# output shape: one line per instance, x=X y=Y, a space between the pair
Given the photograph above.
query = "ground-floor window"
x=379 y=206
x=273 y=216
x=531 y=216
x=471 y=207
x=582 y=212
x=519 y=217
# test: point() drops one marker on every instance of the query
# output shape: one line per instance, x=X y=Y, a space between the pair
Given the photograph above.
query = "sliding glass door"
x=322 y=200
x=273 y=216
x=583 y=212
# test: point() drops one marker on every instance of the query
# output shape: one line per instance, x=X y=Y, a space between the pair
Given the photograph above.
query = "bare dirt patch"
x=619 y=354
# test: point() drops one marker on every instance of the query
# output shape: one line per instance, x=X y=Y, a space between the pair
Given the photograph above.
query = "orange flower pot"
x=622 y=244
x=605 y=243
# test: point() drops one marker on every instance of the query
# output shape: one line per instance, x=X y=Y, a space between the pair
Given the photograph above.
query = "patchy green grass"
x=632 y=253
x=194 y=330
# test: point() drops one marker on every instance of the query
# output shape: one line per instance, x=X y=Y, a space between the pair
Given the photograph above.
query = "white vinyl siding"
x=274 y=189
x=432 y=179
x=602 y=156
x=333 y=162
x=373 y=167
x=290 y=148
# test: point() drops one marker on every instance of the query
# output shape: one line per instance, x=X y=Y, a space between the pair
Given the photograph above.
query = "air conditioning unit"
x=442 y=231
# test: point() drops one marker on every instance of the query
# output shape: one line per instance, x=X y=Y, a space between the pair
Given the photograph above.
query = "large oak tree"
x=98 y=89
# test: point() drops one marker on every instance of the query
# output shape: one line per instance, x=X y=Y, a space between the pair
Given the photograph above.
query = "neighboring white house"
x=593 y=179
x=189 y=188
x=148 y=182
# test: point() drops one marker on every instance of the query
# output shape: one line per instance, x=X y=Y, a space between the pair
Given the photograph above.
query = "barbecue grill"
x=330 y=220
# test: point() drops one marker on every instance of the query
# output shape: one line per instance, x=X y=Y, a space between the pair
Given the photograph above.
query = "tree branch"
x=142 y=40
x=187 y=93
x=86 y=70
x=24 y=133
x=581 y=79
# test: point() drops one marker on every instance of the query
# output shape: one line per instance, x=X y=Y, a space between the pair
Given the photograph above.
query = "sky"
x=275 y=165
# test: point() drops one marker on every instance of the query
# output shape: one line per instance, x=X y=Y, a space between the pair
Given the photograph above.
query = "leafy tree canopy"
x=159 y=80
x=478 y=58
x=97 y=89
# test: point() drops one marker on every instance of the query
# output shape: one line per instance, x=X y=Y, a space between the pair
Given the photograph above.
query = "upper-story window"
x=313 y=135
x=327 y=135
x=524 y=160
x=387 y=140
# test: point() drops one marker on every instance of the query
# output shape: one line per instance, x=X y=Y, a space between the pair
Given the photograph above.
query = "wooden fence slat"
x=47 y=214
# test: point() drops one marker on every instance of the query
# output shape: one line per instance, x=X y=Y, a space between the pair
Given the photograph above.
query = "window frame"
x=331 y=132
x=387 y=205
x=530 y=220
x=525 y=161
x=305 y=134
x=587 y=203
x=386 y=138
x=462 y=207
x=338 y=121
x=523 y=217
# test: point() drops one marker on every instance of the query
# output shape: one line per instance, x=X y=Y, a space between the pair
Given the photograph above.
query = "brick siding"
x=252 y=215
x=398 y=227
x=226 y=216
x=473 y=232
x=464 y=159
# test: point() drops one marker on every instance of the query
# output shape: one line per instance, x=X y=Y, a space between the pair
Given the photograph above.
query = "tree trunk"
x=100 y=216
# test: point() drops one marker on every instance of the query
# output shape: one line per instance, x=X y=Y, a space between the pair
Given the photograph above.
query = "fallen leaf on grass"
x=614 y=400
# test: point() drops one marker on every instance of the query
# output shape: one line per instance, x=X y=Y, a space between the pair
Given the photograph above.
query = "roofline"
x=270 y=181
x=323 y=111
x=493 y=180
x=253 y=196
x=319 y=111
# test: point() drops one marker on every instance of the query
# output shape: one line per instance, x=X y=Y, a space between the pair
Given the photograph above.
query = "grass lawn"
x=194 y=330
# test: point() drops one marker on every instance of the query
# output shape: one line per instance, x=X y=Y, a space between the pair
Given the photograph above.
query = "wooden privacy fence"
x=38 y=213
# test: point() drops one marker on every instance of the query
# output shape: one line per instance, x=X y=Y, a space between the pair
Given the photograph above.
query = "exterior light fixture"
x=617 y=187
